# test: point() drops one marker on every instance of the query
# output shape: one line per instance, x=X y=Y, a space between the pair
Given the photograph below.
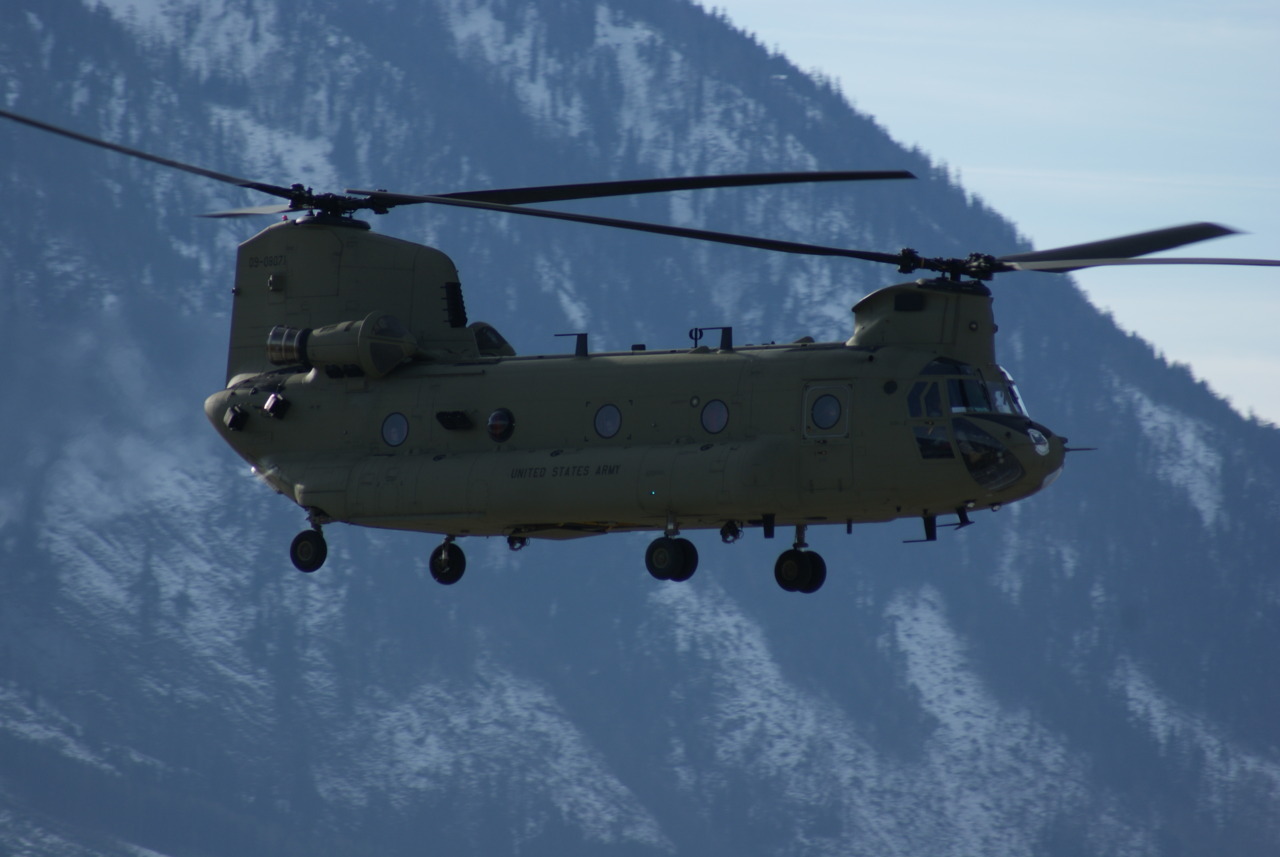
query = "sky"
x=1083 y=121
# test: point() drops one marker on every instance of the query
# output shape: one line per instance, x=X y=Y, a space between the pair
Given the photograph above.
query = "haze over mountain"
x=1090 y=672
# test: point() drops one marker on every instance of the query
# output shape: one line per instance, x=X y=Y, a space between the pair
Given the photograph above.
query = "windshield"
x=1004 y=396
x=968 y=396
x=968 y=391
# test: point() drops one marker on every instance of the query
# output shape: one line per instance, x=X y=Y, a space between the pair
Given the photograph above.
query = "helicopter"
x=357 y=387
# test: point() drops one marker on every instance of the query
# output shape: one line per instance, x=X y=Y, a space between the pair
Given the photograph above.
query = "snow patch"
x=1227 y=769
x=987 y=780
x=648 y=73
x=22 y=835
x=520 y=52
x=500 y=733
x=272 y=151
x=132 y=526
x=40 y=724
x=1010 y=574
x=1185 y=449
x=220 y=37
x=980 y=749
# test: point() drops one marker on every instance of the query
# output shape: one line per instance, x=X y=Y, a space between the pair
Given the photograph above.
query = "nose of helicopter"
x=1010 y=458
x=1046 y=454
x=1041 y=454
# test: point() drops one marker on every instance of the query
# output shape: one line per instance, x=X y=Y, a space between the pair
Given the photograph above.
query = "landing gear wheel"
x=671 y=559
x=447 y=563
x=690 y=561
x=817 y=573
x=789 y=570
x=800 y=571
x=308 y=551
x=663 y=555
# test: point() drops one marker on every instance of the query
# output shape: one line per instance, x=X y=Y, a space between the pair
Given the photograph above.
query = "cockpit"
x=966 y=391
x=940 y=404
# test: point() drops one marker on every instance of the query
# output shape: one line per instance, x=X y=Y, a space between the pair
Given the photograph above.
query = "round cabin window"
x=501 y=424
x=825 y=412
x=715 y=416
x=608 y=421
x=395 y=429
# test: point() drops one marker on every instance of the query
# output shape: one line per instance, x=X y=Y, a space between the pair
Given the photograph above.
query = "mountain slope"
x=1088 y=672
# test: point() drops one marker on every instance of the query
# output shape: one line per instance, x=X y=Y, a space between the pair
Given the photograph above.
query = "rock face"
x=1092 y=671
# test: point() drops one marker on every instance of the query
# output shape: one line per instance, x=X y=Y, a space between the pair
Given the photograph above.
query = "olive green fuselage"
x=698 y=439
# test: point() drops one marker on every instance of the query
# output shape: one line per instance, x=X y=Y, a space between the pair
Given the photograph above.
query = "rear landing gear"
x=671 y=558
x=447 y=563
x=308 y=550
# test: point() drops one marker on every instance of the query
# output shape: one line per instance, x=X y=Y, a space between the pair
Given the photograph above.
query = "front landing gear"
x=671 y=558
x=798 y=569
x=308 y=550
x=447 y=563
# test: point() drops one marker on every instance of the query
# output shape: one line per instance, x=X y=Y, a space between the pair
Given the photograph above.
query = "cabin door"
x=826 y=421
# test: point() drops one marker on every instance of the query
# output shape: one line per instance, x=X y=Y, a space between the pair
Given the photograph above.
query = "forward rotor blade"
x=592 y=190
x=1127 y=246
x=1055 y=267
x=274 y=190
x=390 y=199
x=253 y=210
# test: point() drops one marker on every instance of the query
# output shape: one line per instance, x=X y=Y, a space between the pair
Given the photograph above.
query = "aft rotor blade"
x=1056 y=267
x=1127 y=246
x=274 y=190
x=390 y=199
x=593 y=190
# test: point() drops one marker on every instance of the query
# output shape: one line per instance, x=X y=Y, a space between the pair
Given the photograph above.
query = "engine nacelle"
x=373 y=347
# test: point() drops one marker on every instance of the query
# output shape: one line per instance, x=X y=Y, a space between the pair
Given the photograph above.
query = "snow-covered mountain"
x=1093 y=671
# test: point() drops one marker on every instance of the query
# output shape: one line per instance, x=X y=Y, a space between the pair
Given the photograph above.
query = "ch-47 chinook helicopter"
x=357 y=388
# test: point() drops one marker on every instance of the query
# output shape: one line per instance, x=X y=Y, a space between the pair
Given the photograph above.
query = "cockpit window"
x=968 y=396
x=925 y=400
x=968 y=391
x=947 y=366
x=988 y=460
x=1005 y=399
x=933 y=442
